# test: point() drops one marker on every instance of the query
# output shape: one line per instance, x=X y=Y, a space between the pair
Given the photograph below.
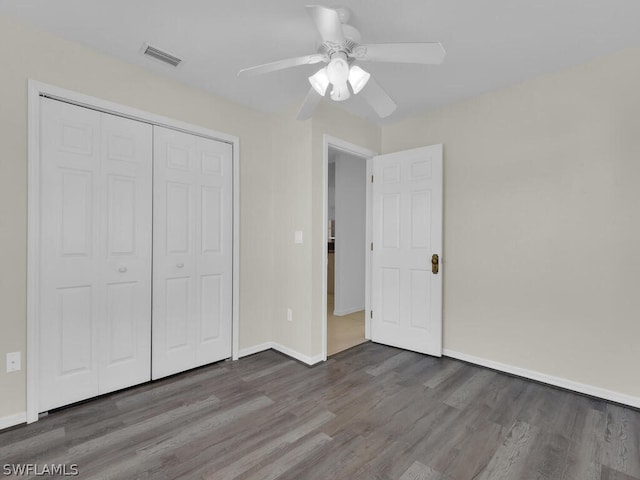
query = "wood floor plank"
x=547 y=457
x=509 y=460
x=476 y=451
x=621 y=449
x=204 y=426
x=261 y=373
x=290 y=459
x=612 y=474
x=443 y=373
x=418 y=471
x=12 y=452
x=468 y=391
x=584 y=458
x=253 y=457
x=391 y=363
x=371 y=413
x=325 y=461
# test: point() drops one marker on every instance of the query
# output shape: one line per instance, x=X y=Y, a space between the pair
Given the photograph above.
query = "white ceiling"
x=489 y=43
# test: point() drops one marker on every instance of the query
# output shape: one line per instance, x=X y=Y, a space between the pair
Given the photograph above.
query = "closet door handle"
x=180 y=265
x=122 y=269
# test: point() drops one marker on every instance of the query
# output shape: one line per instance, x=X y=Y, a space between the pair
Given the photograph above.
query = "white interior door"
x=192 y=261
x=125 y=329
x=95 y=278
x=406 y=294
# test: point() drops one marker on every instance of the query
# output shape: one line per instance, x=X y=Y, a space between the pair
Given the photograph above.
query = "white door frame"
x=334 y=142
x=35 y=91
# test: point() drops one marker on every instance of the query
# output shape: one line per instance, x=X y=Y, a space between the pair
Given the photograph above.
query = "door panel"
x=211 y=302
x=192 y=251
x=125 y=327
x=121 y=322
x=177 y=316
x=95 y=253
x=211 y=219
x=74 y=331
x=407 y=231
x=178 y=218
x=122 y=215
x=76 y=223
x=69 y=251
x=390 y=295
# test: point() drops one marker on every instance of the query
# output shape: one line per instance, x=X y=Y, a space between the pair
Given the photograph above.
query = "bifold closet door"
x=95 y=253
x=192 y=251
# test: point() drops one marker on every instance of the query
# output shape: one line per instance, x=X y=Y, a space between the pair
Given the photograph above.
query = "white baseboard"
x=591 y=390
x=245 y=352
x=282 y=349
x=340 y=313
x=13 y=420
x=297 y=355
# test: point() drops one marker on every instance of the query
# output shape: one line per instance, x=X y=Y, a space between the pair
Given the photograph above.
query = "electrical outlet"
x=13 y=362
x=298 y=237
x=289 y=315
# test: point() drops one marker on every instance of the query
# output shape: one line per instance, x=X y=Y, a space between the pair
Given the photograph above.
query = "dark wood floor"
x=372 y=412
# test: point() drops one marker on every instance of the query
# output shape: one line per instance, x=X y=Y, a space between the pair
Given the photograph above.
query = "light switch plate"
x=298 y=237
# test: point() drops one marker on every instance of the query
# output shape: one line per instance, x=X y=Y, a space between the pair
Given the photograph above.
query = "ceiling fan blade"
x=282 y=64
x=309 y=105
x=379 y=100
x=328 y=23
x=427 y=53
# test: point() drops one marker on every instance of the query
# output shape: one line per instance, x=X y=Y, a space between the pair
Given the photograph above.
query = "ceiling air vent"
x=161 y=55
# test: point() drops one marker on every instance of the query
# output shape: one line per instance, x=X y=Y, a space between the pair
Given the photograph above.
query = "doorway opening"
x=346 y=249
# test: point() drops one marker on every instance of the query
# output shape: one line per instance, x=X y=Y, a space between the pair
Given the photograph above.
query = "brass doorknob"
x=435 y=261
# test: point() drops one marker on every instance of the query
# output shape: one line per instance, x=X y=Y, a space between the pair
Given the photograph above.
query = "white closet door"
x=95 y=253
x=192 y=252
x=125 y=326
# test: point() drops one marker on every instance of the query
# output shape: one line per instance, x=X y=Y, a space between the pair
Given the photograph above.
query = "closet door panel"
x=125 y=329
x=95 y=280
x=70 y=283
x=174 y=215
x=192 y=251
x=215 y=255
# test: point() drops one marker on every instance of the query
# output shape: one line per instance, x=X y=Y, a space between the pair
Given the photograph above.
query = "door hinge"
x=372 y=246
x=371 y=178
x=371 y=312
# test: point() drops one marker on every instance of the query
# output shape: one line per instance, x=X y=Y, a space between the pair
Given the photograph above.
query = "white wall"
x=542 y=222
x=351 y=220
x=29 y=53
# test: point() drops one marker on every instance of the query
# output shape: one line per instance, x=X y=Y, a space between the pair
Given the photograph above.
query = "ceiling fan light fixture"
x=338 y=73
x=358 y=78
x=340 y=92
x=338 y=69
x=320 y=81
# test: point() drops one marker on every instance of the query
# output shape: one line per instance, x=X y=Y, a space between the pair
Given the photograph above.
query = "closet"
x=135 y=278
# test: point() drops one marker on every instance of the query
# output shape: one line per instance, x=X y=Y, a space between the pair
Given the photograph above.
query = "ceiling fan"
x=340 y=50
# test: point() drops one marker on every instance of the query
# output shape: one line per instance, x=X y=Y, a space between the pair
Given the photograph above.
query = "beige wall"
x=29 y=53
x=298 y=196
x=291 y=153
x=542 y=222
x=332 y=121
